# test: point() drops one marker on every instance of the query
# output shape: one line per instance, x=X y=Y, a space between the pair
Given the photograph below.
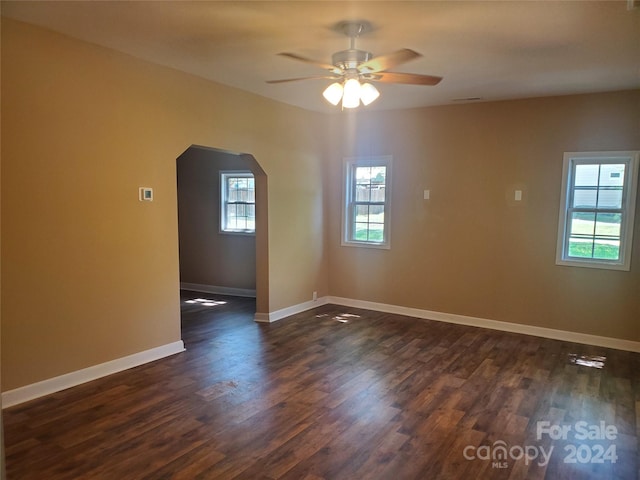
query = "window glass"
x=238 y=211
x=366 y=202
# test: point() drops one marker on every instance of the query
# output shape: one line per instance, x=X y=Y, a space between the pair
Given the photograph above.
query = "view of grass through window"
x=595 y=236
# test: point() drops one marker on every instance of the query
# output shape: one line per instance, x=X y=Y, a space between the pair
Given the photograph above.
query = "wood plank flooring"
x=324 y=395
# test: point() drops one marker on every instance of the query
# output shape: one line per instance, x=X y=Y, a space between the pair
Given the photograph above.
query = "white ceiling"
x=493 y=50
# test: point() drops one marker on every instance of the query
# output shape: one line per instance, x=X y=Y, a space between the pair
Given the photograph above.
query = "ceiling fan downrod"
x=352 y=58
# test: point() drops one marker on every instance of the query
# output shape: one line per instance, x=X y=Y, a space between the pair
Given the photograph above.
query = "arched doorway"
x=210 y=259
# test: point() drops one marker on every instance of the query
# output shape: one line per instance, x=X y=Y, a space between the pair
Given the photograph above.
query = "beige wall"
x=471 y=249
x=207 y=256
x=89 y=273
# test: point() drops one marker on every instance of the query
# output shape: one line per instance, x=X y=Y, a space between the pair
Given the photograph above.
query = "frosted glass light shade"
x=333 y=93
x=351 y=96
x=368 y=93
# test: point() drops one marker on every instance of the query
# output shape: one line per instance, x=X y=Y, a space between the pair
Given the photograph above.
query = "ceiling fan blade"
x=324 y=66
x=315 y=77
x=406 y=78
x=385 y=62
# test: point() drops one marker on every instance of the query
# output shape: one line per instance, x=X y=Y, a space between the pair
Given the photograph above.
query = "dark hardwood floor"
x=321 y=395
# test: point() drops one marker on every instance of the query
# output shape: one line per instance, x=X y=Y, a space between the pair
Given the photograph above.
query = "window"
x=597 y=209
x=237 y=202
x=367 y=201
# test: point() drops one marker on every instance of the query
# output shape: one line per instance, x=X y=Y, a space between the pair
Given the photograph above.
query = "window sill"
x=604 y=265
x=238 y=232
x=379 y=246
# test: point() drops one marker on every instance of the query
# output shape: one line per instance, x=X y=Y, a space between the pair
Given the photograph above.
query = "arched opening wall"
x=83 y=128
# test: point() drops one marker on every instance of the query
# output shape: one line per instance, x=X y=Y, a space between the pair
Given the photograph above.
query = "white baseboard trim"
x=236 y=292
x=288 y=311
x=575 y=337
x=261 y=317
x=62 y=382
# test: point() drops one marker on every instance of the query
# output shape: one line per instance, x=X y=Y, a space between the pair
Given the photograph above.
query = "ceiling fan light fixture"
x=351 y=95
x=368 y=93
x=351 y=66
x=333 y=93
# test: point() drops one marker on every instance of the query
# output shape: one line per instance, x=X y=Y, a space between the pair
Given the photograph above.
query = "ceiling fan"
x=353 y=69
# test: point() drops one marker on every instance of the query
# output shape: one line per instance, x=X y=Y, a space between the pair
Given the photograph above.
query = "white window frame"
x=224 y=175
x=631 y=159
x=349 y=203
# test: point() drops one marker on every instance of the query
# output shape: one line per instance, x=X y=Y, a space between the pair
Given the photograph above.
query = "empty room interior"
x=320 y=240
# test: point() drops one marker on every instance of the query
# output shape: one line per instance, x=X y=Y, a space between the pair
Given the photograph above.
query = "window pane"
x=608 y=225
x=361 y=232
x=376 y=232
x=585 y=198
x=362 y=213
x=237 y=192
x=363 y=193
x=612 y=175
x=607 y=251
x=586 y=175
x=376 y=175
x=610 y=198
x=251 y=194
x=232 y=190
x=580 y=248
x=241 y=210
x=607 y=241
x=363 y=174
x=377 y=193
x=376 y=213
x=369 y=232
x=582 y=224
x=231 y=217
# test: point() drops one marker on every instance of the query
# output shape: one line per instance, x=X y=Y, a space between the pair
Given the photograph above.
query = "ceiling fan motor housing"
x=350 y=59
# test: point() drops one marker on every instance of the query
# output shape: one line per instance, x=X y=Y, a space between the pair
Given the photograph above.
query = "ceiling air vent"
x=467 y=99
